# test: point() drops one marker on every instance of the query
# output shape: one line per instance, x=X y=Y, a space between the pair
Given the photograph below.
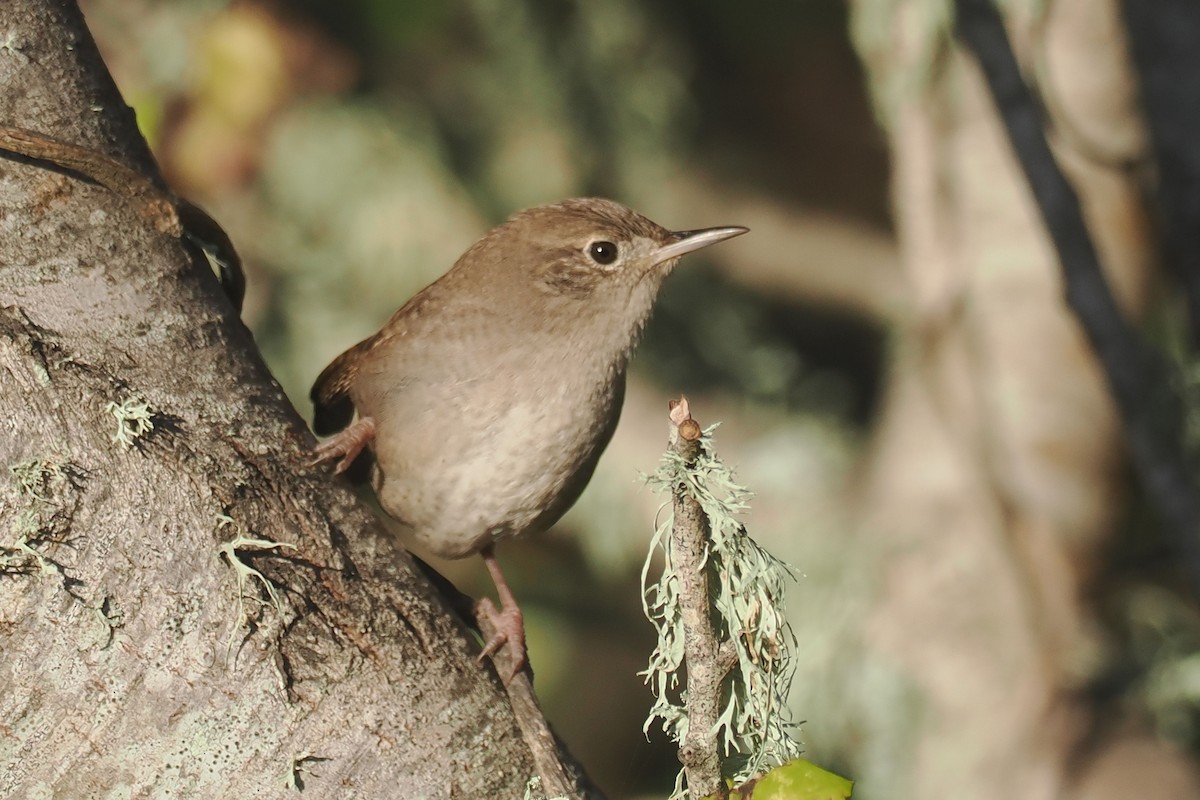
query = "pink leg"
x=508 y=620
x=346 y=446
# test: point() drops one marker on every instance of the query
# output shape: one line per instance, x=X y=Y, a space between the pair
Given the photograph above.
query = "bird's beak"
x=687 y=241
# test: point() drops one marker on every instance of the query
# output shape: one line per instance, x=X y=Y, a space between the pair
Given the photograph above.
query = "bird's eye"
x=602 y=252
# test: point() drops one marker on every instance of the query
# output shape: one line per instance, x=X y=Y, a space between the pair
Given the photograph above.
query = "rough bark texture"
x=127 y=665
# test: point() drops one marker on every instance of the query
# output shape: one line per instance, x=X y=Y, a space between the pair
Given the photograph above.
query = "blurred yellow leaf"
x=800 y=779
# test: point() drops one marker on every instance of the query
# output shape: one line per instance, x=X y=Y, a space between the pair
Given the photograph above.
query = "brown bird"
x=487 y=399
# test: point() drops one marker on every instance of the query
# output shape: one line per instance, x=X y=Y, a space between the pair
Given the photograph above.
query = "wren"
x=488 y=398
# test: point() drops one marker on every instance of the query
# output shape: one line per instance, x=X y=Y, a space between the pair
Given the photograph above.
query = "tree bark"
x=996 y=474
x=148 y=449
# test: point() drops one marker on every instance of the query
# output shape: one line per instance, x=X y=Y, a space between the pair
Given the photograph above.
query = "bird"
x=486 y=401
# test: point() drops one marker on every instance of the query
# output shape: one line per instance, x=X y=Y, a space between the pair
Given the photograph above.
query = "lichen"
x=134 y=418
x=294 y=778
x=38 y=478
x=246 y=573
x=755 y=728
x=534 y=791
x=41 y=482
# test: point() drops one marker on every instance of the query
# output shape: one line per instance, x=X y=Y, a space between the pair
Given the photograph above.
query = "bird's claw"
x=509 y=623
x=345 y=447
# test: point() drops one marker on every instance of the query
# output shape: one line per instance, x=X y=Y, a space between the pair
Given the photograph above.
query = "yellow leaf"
x=800 y=779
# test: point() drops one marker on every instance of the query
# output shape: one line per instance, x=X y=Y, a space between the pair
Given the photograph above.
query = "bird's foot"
x=346 y=446
x=509 y=623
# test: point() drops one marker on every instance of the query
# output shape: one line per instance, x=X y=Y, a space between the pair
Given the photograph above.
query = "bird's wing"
x=333 y=407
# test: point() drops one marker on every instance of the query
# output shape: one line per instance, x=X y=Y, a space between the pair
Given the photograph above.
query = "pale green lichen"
x=134 y=418
x=246 y=573
x=18 y=557
x=38 y=478
x=533 y=791
x=755 y=728
x=38 y=481
x=13 y=44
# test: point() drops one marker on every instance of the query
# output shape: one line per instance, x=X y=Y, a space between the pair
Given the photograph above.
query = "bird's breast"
x=470 y=460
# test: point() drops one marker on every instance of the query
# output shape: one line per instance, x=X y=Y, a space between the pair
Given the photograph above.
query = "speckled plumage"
x=495 y=389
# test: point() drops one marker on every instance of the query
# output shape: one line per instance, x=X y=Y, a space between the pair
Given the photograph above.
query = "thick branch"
x=156 y=637
x=164 y=211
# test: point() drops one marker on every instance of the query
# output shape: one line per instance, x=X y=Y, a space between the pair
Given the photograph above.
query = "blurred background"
x=986 y=608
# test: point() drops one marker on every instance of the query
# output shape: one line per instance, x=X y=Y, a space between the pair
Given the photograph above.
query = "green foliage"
x=747 y=586
x=802 y=780
x=1161 y=628
x=1162 y=634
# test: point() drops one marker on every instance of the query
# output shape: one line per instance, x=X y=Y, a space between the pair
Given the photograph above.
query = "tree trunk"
x=996 y=474
x=186 y=608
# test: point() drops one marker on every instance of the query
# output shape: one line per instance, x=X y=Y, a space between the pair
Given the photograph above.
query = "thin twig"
x=699 y=751
x=560 y=777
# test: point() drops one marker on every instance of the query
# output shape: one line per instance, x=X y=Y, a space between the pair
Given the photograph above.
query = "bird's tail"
x=332 y=407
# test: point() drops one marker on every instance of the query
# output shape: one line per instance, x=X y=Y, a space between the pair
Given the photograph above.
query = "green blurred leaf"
x=800 y=779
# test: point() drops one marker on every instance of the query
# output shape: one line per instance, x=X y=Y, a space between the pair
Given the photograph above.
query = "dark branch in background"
x=1164 y=35
x=1138 y=375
